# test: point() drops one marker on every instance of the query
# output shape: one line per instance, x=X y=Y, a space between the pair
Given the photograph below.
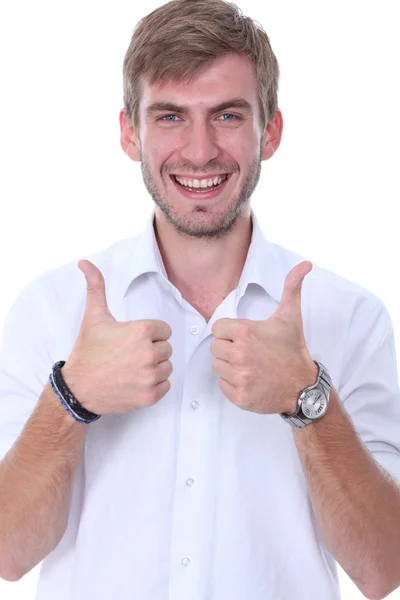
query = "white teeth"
x=203 y=183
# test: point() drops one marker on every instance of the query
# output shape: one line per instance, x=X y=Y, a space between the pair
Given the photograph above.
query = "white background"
x=331 y=192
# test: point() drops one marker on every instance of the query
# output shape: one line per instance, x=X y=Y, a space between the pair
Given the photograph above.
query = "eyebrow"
x=170 y=107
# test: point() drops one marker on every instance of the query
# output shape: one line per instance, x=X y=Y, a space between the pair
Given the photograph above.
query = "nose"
x=200 y=143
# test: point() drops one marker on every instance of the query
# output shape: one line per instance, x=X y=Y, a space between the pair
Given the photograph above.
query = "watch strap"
x=298 y=419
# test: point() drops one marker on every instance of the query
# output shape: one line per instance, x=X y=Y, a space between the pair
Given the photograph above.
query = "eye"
x=229 y=115
x=167 y=118
x=172 y=117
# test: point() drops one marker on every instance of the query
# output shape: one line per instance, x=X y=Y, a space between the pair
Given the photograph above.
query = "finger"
x=161 y=331
x=163 y=371
x=96 y=309
x=223 y=369
x=221 y=349
x=156 y=330
x=164 y=350
x=290 y=303
x=224 y=328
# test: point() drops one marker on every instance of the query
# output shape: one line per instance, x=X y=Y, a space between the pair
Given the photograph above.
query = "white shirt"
x=193 y=497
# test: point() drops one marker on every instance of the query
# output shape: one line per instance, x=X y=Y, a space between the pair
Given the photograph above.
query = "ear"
x=129 y=141
x=272 y=136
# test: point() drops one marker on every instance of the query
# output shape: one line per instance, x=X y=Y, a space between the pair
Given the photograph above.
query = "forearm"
x=36 y=477
x=355 y=501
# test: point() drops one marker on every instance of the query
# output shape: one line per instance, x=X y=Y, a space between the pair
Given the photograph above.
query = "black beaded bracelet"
x=72 y=405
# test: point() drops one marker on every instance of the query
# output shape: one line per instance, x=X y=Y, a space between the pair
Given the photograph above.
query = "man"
x=268 y=447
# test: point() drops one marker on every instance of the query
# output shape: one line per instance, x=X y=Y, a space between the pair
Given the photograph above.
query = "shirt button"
x=195 y=404
x=186 y=562
x=194 y=329
x=189 y=482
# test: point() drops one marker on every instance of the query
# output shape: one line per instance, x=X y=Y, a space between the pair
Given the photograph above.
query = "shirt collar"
x=263 y=265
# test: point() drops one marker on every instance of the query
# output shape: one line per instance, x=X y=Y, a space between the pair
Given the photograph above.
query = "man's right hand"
x=116 y=367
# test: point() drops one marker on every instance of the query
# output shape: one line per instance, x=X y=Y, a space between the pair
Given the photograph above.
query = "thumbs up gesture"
x=116 y=367
x=264 y=365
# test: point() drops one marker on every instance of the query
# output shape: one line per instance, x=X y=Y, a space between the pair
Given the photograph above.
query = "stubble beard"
x=199 y=228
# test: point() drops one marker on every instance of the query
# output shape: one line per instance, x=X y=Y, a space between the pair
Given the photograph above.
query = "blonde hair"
x=177 y=40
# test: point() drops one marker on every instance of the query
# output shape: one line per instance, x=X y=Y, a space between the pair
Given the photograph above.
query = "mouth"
x=201 y=189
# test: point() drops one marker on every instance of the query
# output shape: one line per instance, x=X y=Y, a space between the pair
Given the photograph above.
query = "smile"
x=201 y=189
x=200 y=184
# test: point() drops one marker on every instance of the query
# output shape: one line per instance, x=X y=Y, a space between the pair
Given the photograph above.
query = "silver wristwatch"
x=313 y=401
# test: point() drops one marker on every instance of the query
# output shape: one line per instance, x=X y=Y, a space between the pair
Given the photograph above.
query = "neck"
x=209 y=265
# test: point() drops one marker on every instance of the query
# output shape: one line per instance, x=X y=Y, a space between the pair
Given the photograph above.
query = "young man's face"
x=185 y=132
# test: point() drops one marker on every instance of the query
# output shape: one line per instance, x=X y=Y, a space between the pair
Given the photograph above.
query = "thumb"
x=96 y=309
x=290 y=304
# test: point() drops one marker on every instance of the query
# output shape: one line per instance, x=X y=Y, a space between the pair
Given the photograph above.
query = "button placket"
x=187 y=536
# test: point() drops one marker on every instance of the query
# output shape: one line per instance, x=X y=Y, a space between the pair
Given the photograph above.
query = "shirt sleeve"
x=25 y=360
x=369 y=387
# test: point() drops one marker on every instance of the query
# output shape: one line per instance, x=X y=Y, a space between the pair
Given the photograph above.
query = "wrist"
x=65 y=386
x=307 y=378
x=72 y=379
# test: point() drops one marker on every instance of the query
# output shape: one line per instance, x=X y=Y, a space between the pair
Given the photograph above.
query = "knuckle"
x=150 y=356
x=243 y=330
x=152 y=379
x=163 y=371
x=155 y=355
x=144 y=327
x=240 y=356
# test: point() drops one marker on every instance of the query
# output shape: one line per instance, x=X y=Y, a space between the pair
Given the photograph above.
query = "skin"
x=196 y=237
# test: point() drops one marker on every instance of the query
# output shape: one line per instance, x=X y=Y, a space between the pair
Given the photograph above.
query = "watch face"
x=314 y=404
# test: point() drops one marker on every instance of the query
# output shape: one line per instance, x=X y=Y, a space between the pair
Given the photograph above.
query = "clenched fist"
x=116 y=367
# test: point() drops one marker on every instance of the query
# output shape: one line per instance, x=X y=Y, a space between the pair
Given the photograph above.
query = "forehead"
x=230 y=76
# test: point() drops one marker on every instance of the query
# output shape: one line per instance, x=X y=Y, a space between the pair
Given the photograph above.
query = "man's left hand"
x=264 y=365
